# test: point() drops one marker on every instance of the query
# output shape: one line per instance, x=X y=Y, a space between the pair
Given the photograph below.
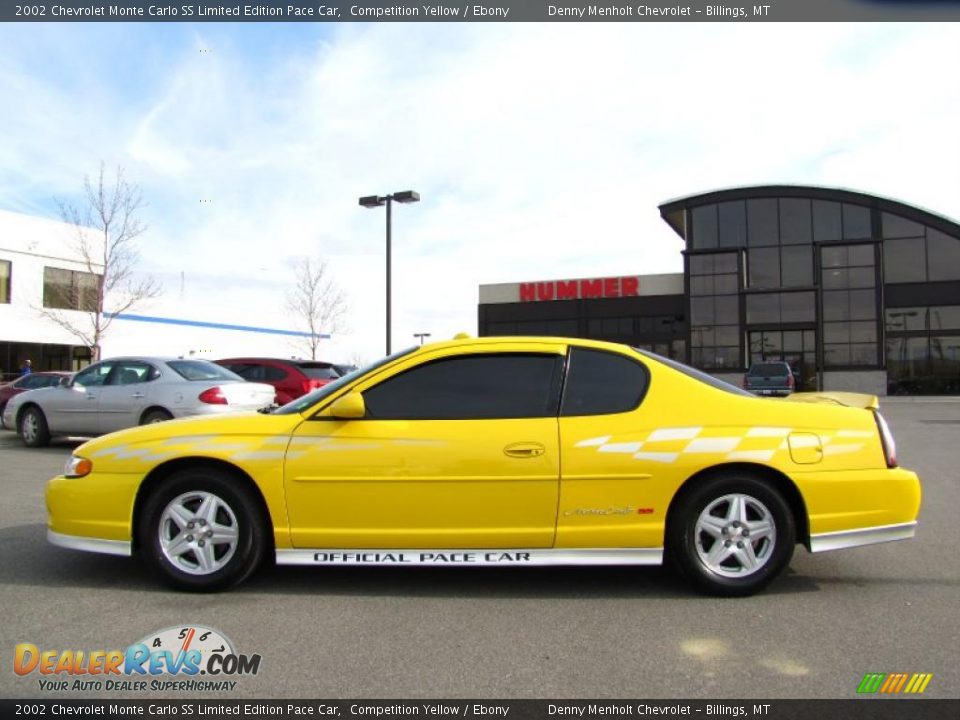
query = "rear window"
x=201 y=370
x=697 y=374
x=769 y=369
x=318 y=371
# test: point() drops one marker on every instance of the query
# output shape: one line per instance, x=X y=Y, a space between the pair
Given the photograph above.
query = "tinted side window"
x=273 y=374
x=470 y=387
x=94 y=375
x=602 y=383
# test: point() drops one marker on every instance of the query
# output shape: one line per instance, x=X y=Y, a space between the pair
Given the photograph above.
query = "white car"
x=127 y=391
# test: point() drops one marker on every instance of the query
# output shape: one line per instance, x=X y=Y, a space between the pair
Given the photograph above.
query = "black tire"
x=235 y=506
x=154 y=416
x=715 y=502
x=32 y=427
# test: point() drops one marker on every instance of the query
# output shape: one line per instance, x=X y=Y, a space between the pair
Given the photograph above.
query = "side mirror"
x=349 y=407
x=65 y=381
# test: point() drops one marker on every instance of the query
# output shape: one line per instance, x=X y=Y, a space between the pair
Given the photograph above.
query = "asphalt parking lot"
x=544 y=633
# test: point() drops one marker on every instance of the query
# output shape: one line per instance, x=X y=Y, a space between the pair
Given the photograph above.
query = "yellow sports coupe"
x=497 y=452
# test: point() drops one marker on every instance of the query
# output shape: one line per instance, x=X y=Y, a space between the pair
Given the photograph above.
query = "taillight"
x=745 y=383
x=213 y=396
x=791 y=381
x=886 y=439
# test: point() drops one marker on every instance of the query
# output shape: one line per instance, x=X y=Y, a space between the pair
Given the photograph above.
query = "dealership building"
x=856 y=292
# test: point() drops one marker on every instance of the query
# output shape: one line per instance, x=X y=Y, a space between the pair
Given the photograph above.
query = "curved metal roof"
x=670 y=210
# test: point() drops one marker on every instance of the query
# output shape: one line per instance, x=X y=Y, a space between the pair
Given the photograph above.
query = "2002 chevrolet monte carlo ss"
x=497 y=451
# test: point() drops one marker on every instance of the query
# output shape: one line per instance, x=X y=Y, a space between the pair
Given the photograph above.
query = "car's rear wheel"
x=202 y=530
x=154 y=416
x=33 y=427
x=732 y=535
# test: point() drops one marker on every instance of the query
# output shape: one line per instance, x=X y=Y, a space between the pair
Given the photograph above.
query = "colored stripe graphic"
x=894 y=683
x=871 y=682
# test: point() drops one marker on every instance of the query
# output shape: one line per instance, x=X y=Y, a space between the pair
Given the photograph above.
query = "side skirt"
x=862 y=536
x=473 y=557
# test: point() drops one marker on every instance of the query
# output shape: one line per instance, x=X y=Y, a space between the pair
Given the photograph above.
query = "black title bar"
x=479 y=11
x=859 y=709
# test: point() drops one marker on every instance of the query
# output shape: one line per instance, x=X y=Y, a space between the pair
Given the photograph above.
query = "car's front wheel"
x=732 y=535
x=203 y=530
x=33 y=427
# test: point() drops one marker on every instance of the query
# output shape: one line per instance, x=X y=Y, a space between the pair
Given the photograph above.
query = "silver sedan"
x=123 y=392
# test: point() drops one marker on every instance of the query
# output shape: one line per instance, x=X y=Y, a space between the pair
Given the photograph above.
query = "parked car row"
x=127 y=391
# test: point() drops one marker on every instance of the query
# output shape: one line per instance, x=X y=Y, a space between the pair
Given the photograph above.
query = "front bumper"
x=97 y=508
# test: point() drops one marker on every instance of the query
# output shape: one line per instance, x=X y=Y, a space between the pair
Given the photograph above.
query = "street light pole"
x=421 y=336
x=372 y=201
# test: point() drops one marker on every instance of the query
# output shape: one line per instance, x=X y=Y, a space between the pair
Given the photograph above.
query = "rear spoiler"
x=856 y=400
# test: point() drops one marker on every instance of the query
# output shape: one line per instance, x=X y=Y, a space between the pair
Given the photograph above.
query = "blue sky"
x=541 y=151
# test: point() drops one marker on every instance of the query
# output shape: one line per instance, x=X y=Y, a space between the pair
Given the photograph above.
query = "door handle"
x=524 y=450
x=137 y=395
x=91 y=397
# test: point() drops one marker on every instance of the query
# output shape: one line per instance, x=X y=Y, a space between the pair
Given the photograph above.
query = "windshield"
x=318 y=371
x=696 y=374
x=201 y=370
x=769 y=369
x=302 y=403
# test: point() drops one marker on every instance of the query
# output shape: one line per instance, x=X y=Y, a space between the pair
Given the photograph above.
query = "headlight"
x=77 y=467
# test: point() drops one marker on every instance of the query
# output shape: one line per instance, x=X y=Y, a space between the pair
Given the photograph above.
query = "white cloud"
x=541 y=151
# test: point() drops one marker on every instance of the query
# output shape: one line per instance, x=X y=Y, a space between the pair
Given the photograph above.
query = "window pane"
x=838 y=256
x=861 y=255
x=733 y=224
x=471 y=387
x=701 y=264
x=764 y=267
x=702 y=311
x=728 y=310
x=704 y=227
x=794 y=221
x=863 y=332
x=4 y=281
x=701 y=285
x=836 y=305
x=826 y=221
x=797 y=266
x=863 y=304
x=798 y=307
x=904 y=261
x=725 y=284
x=856 y=222
x=894 y=226
x=946 y=317
x=836 y=354
x=57 y=285
x=763 y=308
x=601 y=383
x=726 y=262
x=863 y=354
x=836 y=332
x=901 y=319
x=944 y=255
x=762 y=222
x=727 y=335
x=836 y=278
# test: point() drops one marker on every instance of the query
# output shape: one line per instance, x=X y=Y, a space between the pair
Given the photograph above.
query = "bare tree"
x=106 y=230
x=316 y=302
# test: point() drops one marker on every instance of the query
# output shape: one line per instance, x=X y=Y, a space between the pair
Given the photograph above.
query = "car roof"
x=288 y=361
x=519 y=339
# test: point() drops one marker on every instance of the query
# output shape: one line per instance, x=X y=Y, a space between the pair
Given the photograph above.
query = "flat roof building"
x=855 y=291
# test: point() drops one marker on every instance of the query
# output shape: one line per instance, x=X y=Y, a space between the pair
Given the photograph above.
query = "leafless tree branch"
x=316 y=302
x=105 y=234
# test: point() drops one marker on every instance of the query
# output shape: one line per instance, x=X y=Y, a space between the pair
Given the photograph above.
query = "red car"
x=29 y=382
x=291 y=378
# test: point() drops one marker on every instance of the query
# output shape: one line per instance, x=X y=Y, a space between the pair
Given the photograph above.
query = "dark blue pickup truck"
x=770 y=378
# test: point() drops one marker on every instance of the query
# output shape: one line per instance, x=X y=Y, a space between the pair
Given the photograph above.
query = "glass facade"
x=834 y=282
x=811 y=267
